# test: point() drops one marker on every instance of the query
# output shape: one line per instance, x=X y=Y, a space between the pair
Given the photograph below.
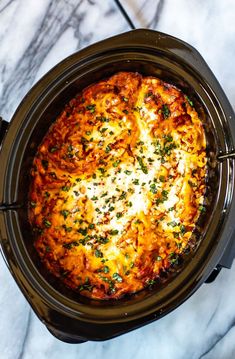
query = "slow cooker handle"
x=3 y=129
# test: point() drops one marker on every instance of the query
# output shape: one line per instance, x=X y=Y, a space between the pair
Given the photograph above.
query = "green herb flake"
x=102 y=170
x=113 y=232
x=33 y=204
x=151 y=282
x=105 y=269
x=82 y=231
x=53 y=149
x=153 y=188
x=190 y=102
x=182 y=229
x=172 y=224
x=71 y=245
x=165 y=110
x=136 y=181
x=117 y=277
x=64 y=213
x=142 y=165
x=116 y=163
x=123 y=195
x=103 y=129
x=65 y=188
x=98 y=253
x=108 y=149
x=119 y=215
x=91 y=108
x=202 y=209
x=128 y=172
x=47 y=223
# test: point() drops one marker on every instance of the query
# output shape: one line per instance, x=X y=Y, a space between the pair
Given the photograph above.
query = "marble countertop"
x=34 y=36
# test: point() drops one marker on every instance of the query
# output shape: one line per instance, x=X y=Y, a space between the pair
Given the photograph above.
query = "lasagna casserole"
x=118 y=185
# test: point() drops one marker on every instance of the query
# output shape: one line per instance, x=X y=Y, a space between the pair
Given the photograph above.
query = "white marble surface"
x=34 y=36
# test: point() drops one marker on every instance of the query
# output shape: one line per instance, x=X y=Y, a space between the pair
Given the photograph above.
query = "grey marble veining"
x=34 y=36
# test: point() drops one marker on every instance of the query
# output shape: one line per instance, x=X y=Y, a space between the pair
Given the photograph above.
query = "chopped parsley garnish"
x=86 y=285
x=98 y=253
x=102 y=170
x=53 y=149
x=104 y=194
x=113 y=232
x=189 y=101
x=127 y=172
x=136 y=181
x=65 y=188
x=119 y=215
x=142 y=165
x=125 y=99
x=94 y=198
x=67 y=229
x=71 y=245
x=172 y=224
x=162 y=198
x=64 y=213
x=116 y=163
x=103 y=129
x=123 y=195
x=91 y=108
x=117 y=277
x=165 y=110
x=104 y=119
x=47 y=223
x=33 y=204
x=105 y=269
x=108 y=149
x=151 y=282
x=102 y=240
x=173 y=258
x=125 y=111
x=202 y=209
x=91 y=226
x=153 y=188
x=162 y=178
x=83 y=231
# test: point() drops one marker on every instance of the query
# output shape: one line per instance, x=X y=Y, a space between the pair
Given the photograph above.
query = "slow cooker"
x=67 y=315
